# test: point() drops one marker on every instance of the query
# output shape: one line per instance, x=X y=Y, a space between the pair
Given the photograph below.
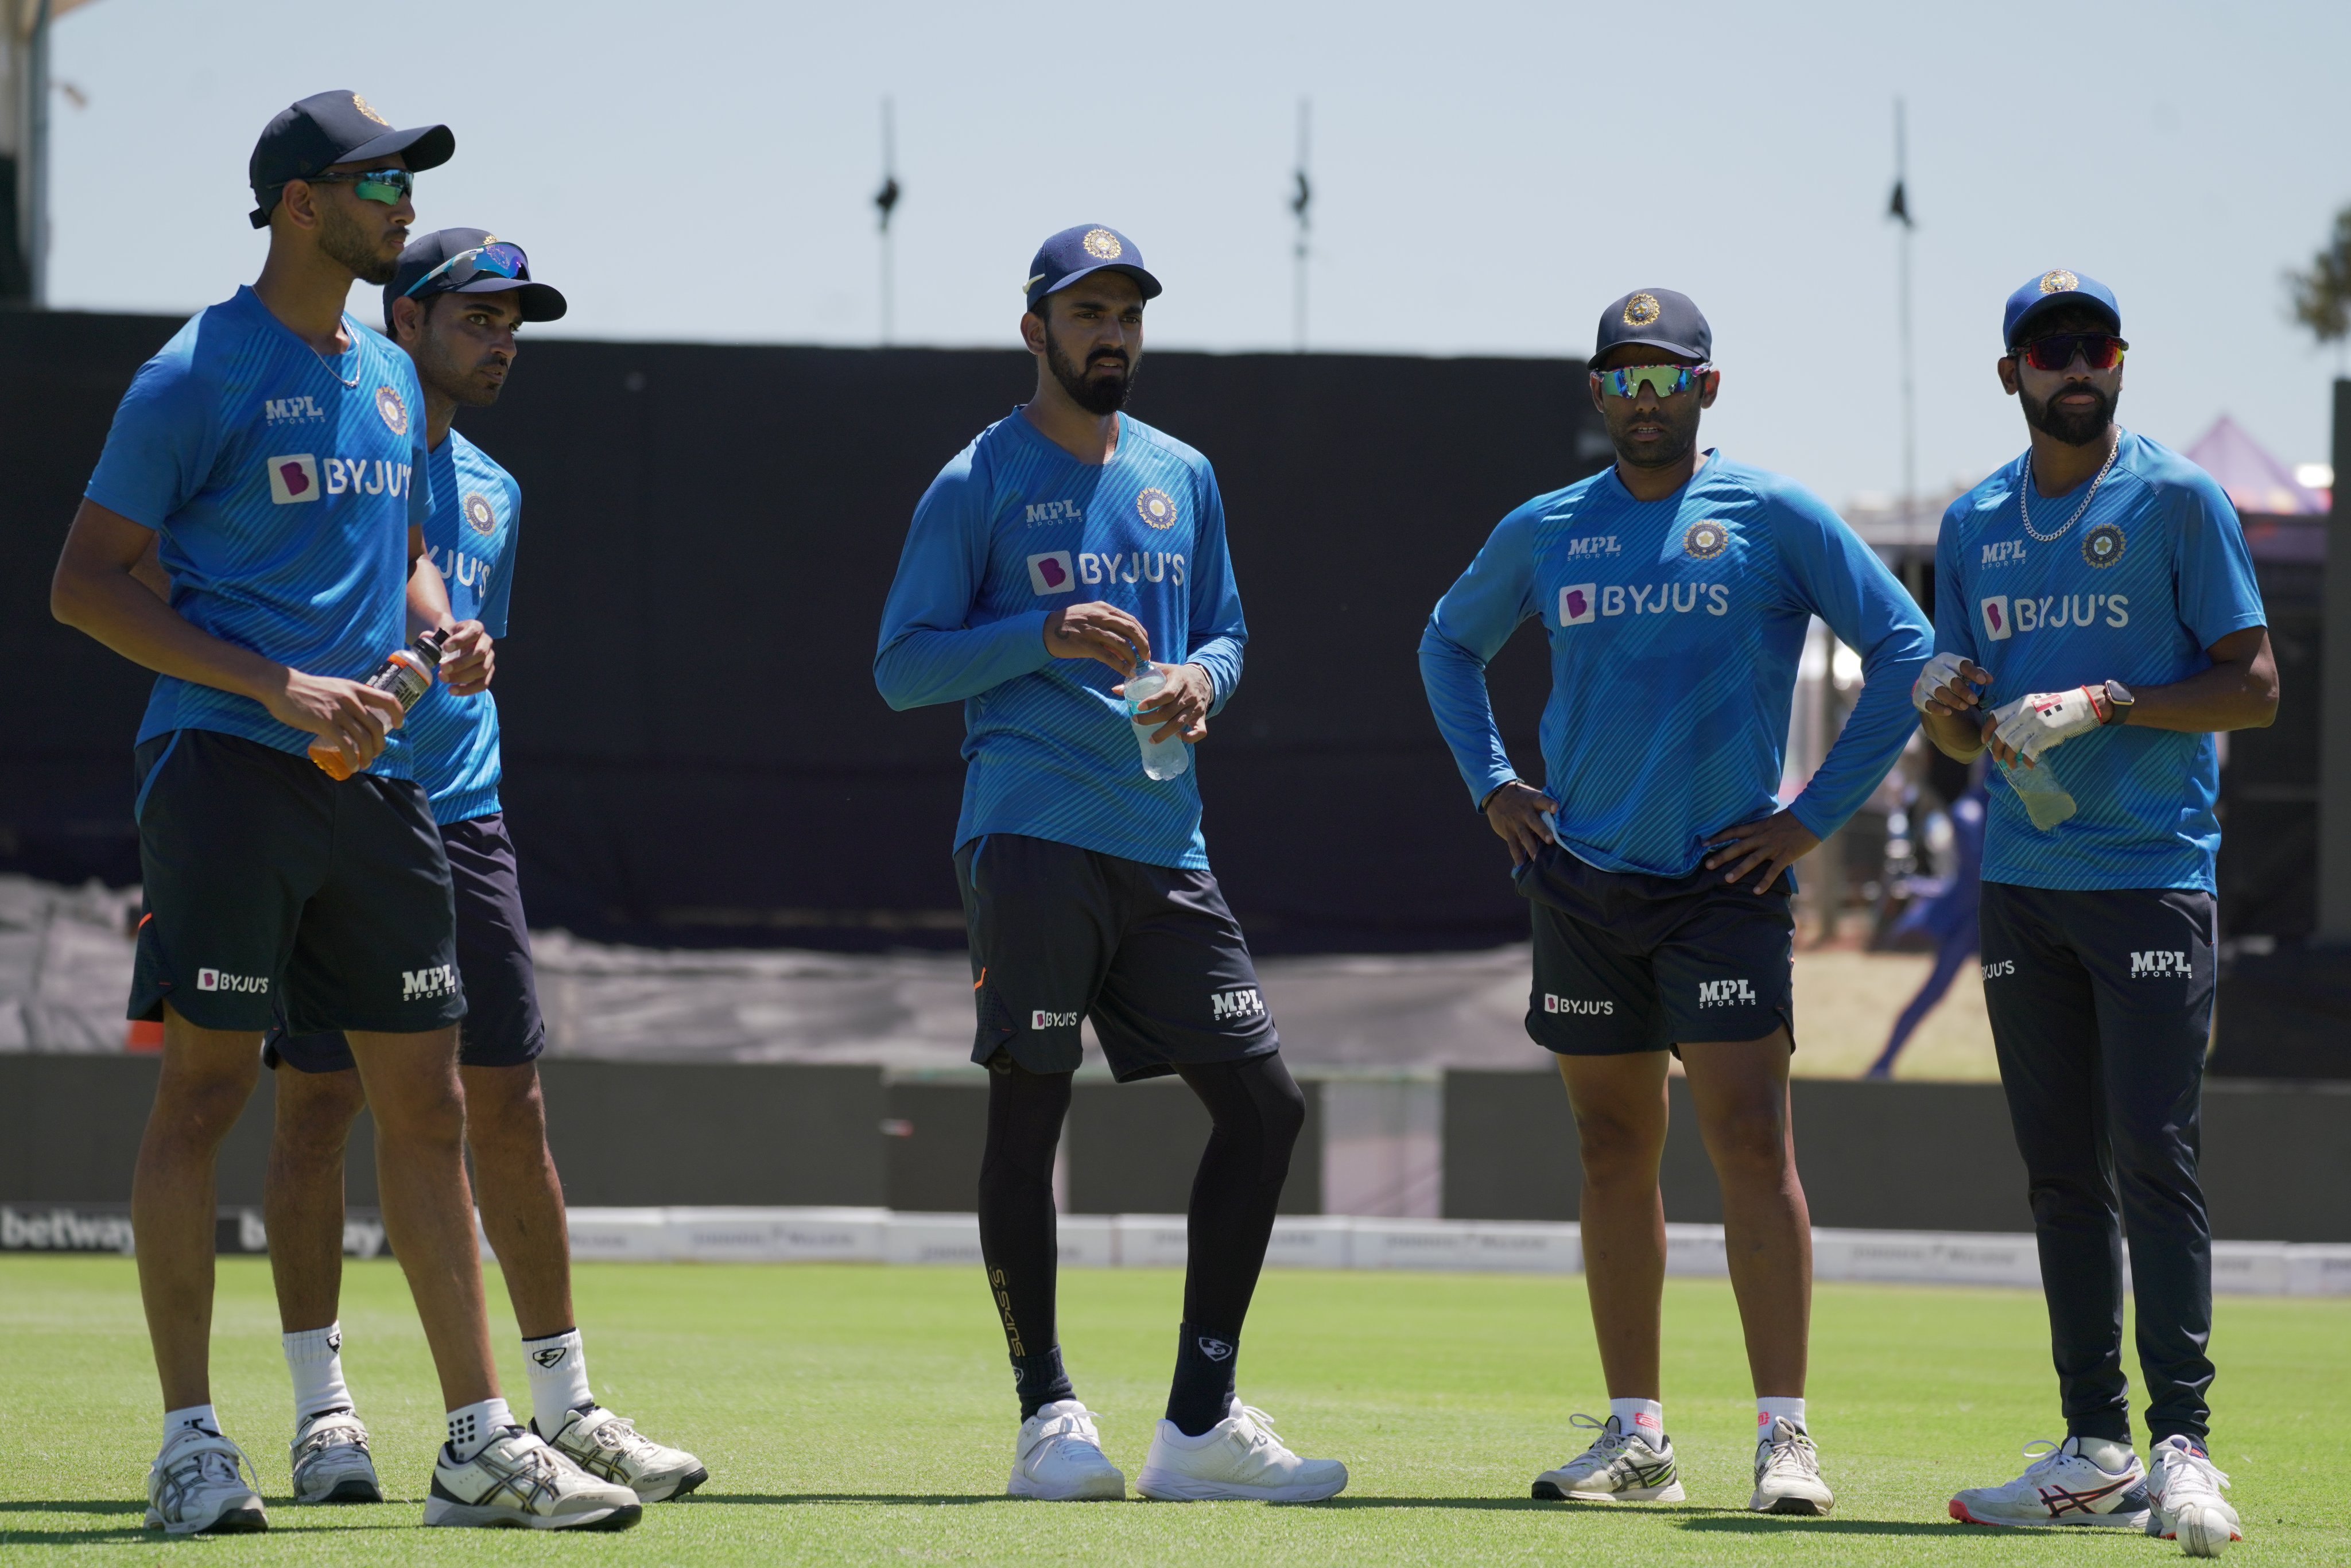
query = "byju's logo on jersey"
x=479 y=516
x=276 y=411
x=394 y=412
x=2007 y=552
x=423 y=984
x=1051 y=572
x=2159 y=966
x=2004 y=618
x=1243 y=1002
x=294 y=477
x=215 y=980
x=1725 y=994
x=1578 y=602
x=1602 y=1008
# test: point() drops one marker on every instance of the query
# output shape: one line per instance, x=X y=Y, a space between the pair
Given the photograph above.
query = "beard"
x=2074 y=428
x=1103 y=395
x=344 y=243
x=1681 y=436
x=440 y=372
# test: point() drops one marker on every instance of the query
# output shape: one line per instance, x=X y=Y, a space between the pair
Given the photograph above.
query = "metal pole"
x=34 y=171
x=1910 y=373
x=2335 y=690
x=1298 y=205
x=888 y=200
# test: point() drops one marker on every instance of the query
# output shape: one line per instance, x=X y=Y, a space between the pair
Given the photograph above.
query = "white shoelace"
x=1607 y=1446
x=1789 y=1448
x=2197 y=1465
x=211 y=1458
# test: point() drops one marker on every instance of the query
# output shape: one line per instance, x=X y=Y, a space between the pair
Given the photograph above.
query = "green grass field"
x=865 y=1415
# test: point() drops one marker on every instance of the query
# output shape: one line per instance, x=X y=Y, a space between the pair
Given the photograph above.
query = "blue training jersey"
x=2136 y=590
x=1012 y=529
x=453 y=741
x=1676 y=627
x=281 y=484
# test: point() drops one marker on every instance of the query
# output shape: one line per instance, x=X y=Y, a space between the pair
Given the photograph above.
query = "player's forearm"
x=116 y=608
x=1956 y=736
x=428 y=598
x=1455 y=680
x=2238 y=693
x=1865 y=750
x=919 y=665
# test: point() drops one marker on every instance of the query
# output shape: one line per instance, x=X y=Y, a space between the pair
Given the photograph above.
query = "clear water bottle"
x=2037 y=790
x=1161 y=758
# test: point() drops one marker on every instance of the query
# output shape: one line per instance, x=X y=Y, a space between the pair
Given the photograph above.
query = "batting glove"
x=2034 y=723
x=1943 y=670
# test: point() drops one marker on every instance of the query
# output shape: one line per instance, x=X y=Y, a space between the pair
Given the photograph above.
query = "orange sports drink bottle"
x=407 y=674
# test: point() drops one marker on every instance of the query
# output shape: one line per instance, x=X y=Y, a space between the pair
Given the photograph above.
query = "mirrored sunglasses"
x=1663 y=380
x=2100 y=350
x=390 y=186
x=497 y=260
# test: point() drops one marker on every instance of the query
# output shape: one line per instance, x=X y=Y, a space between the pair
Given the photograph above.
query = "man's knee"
x=505 y=1112
x=316 y=1109
x=1748 y=1142
x=413 y=1090
x=1616 y=1148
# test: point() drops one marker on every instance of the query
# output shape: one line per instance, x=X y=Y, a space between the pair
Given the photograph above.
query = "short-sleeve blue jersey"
x=1011 y=530
x=2136 y=590
x=453 y=741
x=1676 y=627
x=281 y=484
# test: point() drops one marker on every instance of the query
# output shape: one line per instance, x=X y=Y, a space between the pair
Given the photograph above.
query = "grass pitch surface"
x=865 y=1415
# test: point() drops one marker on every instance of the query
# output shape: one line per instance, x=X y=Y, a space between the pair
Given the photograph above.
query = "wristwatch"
x=2118 y=703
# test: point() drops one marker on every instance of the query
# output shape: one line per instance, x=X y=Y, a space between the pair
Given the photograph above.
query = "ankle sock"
x=2112 y=1455
x=1040 y=1380
x=315 y=1357
x=1202 y=1393
x=557 y=1366
x=176 y=1421
x=472 y=1428
x=1642 y=1419
x=1771 y=1407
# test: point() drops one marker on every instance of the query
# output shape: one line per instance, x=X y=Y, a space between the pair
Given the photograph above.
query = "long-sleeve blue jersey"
x=1676 y=627
x=1013 y=529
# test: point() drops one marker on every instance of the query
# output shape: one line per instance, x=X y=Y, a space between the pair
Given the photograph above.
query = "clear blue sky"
x=1488 y=176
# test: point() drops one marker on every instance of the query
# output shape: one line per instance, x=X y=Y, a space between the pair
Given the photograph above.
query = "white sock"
x=558 y=1379
x=194 y=1415
x=315 y=1357
x=1642 y=1419
x=471 y=1429
x=2108 y=1455
x=1768 y=1408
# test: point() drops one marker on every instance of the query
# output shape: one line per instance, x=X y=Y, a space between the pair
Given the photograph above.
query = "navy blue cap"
x=331 y=128
x=1076 y=251
x=2050 y=291
x=540 y=302
x=1655 y=318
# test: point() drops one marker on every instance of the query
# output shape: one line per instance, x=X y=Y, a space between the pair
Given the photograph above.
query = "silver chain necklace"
x=2024 y=493
x=362 y=369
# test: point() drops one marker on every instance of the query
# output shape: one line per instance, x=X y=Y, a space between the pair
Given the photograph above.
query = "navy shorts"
x=502 y=1027
x=1150 y=953
x=272 y=889
x=1627 y=962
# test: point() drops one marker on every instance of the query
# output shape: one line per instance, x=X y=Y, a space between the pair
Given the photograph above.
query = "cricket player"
x=453 y=306
x=1676 y=588
x=2096 y=621
x=272 y=457
x=1069 y=551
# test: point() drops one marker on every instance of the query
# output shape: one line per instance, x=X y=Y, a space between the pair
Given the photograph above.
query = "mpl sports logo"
x=1240 y=1002
x=1602 y=1008
x=425 y=985
x=1593 y=544
x=247 y=985
x=2007 y=552
x=2004 y=618
x=1043 y=512
x=2160 y=966
x=278 y=411
x=1041 y=1019
x=1725 y=994
x=1052 y=573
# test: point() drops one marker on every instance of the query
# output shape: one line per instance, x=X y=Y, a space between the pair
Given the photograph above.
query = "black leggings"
x=1256 y=1111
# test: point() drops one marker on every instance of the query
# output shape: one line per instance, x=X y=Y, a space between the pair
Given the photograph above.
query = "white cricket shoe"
x=197 y=1487
x=330 y=1460
x=1057 y=1457
x=1788 y=1473
x=1239 y=1457
x=518 y=1481
x=2183 y=1494
x=1619 y=1467
x=610 y=1446
x=2061 y=1486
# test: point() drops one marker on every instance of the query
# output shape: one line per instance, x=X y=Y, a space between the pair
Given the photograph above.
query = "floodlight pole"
x=2335 y=687
x=1300 y=201
x=886 y=199
x=1910 y=360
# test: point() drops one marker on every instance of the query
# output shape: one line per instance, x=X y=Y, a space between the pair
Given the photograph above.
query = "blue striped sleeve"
x=1217 y=632
x=1466 y=629
x=166 y=435
x=928 y=653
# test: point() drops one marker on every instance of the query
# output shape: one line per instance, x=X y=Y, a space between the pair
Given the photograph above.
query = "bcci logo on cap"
x=394 y=412
x=1102 y=245
x=478 y=514
x=2103 y=545
x=364 y=107
x=2059 y=282
x=1157 y=507
x=1642 y=310
x=1705 y=540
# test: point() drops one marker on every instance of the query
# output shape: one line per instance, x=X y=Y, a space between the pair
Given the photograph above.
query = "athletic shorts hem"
x=1641 y=1048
